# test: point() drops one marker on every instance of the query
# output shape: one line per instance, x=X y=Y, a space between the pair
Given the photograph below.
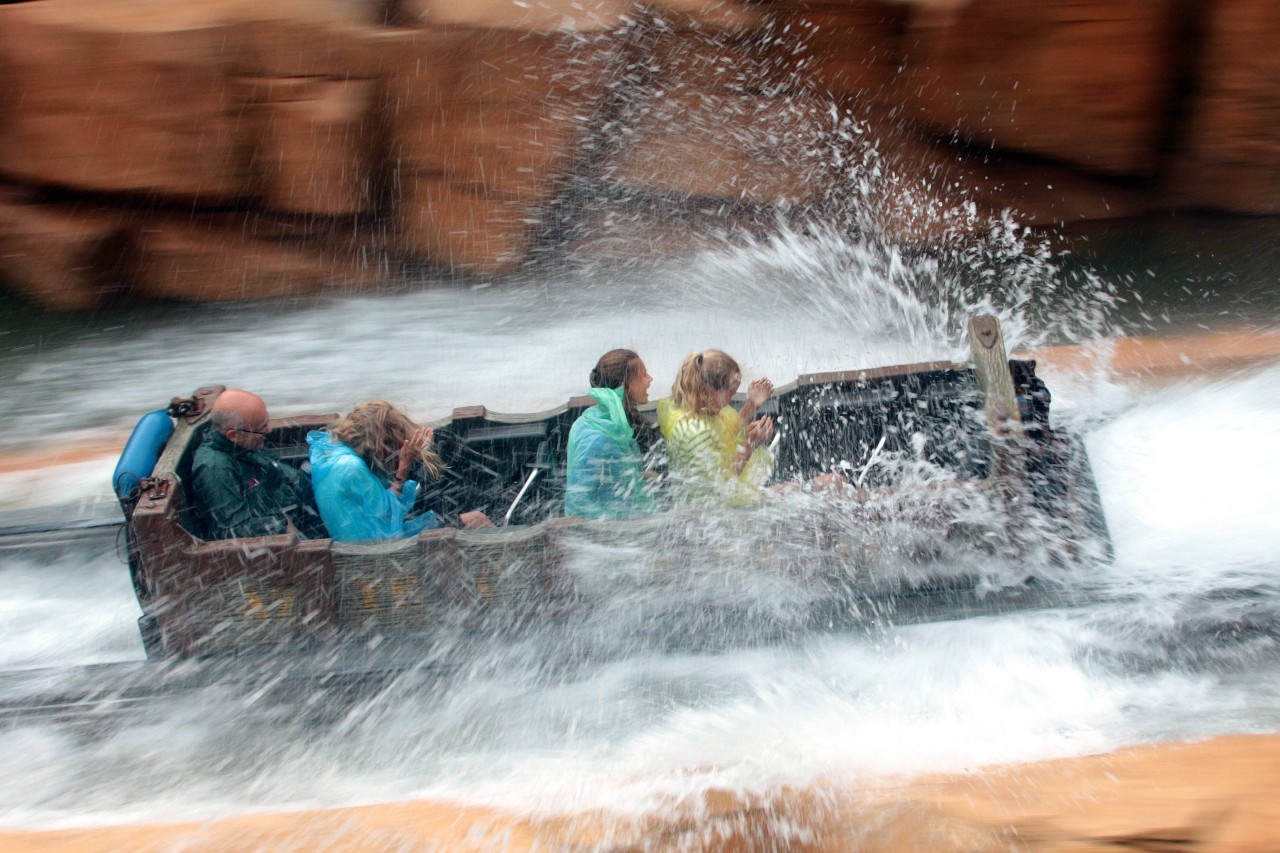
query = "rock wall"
x=232 y=149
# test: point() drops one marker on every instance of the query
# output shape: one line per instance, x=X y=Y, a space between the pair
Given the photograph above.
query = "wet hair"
x=375 y=431
x=616 y=369
x=700 y=377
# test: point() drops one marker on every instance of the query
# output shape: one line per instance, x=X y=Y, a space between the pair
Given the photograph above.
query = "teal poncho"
x=606 y=467
x=353 y=502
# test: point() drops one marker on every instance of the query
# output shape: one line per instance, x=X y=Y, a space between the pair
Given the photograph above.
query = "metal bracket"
x=155 y=488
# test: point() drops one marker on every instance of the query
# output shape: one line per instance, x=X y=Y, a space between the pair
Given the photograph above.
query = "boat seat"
x=187 y=516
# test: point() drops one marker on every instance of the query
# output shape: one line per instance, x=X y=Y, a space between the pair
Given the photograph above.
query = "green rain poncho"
x=606 y=467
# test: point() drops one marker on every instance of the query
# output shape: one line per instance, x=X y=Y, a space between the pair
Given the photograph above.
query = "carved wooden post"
x=991 y=365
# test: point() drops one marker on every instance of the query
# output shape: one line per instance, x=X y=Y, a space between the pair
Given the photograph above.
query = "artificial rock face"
x=1085 y=81
x=469 y=135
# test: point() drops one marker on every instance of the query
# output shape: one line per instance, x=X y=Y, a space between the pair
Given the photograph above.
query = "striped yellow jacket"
x=700 y=454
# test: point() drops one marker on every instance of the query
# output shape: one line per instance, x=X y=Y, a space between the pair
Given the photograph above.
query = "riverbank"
x=1218 y=795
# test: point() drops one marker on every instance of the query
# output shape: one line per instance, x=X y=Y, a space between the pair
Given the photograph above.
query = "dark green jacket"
x=241 y=492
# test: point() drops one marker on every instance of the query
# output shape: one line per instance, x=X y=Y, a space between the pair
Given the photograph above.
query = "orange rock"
x=316 y=152
x=297 y=39
x=695 y=58
x=228 y=257
x=1086 y=81
x=706 y=15
x=747 y=148
x=464 y=231
x=848 y=49
x=1231 y=159
x=123 y=97
x=513 y=153
x=492 y=122
x=575 y=15
x=61 y=257
x=536 y=16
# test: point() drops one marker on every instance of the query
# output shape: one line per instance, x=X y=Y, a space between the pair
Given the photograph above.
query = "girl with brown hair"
x=606 y=477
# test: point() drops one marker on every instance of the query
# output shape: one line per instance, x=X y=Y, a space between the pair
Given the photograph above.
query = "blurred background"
x=239 y=149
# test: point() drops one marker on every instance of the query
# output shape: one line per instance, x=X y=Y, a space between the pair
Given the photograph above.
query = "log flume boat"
x=954 y=469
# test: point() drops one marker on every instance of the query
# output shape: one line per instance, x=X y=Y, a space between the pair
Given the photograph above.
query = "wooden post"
x=991 y=365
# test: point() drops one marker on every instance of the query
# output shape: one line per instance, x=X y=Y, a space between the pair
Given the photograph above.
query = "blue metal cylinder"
x=141 y=452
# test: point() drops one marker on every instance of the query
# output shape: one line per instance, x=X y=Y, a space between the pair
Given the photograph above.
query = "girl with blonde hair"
x=713 y=450
x=360 y=474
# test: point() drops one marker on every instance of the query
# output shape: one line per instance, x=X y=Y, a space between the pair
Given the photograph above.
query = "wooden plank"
x=986 y=344
x=991 y=364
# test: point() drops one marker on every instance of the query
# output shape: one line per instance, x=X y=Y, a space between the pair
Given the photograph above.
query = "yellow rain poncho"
x=700 y=453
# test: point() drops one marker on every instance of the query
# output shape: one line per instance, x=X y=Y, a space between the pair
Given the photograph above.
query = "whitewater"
x=1175 y=639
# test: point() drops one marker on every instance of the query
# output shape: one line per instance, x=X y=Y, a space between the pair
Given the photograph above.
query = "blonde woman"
x=359 y=472
x=715 y=452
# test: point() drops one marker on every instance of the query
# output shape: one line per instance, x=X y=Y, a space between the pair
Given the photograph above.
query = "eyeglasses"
x=252 y=431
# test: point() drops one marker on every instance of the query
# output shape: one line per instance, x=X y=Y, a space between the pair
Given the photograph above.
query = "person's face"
x=253 y=435
x=638 y=384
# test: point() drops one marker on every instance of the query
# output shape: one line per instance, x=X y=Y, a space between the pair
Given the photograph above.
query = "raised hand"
x=760 y=432
x=759 y=391
x=411 y=450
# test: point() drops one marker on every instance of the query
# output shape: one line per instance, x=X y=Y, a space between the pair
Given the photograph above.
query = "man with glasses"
x=240 y=487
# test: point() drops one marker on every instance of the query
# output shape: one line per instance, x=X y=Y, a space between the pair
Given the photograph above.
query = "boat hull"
x=939 y=501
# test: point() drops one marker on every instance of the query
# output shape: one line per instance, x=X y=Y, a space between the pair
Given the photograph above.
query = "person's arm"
x=583 y=478
x=380 y=512
x=758 y=393
x=410 y=450
x=757 y=434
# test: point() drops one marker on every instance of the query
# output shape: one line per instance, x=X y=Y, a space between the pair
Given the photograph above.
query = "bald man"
x=241 y=488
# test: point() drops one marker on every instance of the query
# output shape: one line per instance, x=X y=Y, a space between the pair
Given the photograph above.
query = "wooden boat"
x=956 y=469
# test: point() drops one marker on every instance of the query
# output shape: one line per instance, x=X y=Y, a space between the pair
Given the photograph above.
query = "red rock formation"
x=316 y=148
x=125 y=97
x=59 y=256
x=479 y=127
x=1231 y=156
x=486 y=125
x=540 y=16
x=850 y=47
x=239 y=256
x=1085 y=81
x=717 y=116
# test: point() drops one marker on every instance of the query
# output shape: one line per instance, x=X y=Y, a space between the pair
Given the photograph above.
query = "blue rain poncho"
x=606 y=468
x=353 y=502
